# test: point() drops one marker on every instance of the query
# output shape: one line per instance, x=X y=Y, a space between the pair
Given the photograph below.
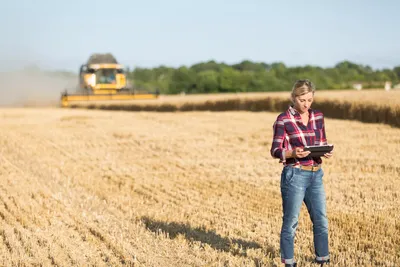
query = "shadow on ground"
x=216 y=241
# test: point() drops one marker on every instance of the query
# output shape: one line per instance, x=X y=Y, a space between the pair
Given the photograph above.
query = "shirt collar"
x=294 y=112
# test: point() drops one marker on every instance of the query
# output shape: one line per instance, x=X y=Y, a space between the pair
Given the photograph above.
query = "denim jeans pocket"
x=288 y=175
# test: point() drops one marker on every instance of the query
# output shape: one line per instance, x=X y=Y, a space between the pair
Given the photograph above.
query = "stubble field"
x=114 y=188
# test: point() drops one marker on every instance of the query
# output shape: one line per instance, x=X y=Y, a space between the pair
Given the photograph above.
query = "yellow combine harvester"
x=102 y=78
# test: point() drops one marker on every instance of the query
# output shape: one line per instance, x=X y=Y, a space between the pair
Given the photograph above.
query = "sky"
x=61 y=35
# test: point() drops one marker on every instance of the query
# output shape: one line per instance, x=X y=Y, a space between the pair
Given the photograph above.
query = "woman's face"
x=303 y=103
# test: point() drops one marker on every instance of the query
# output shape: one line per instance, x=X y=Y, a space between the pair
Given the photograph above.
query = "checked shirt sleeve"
x=279 y=134
x=324 y=140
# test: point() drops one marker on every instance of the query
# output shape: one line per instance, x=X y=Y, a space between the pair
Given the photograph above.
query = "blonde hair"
x=302 y=87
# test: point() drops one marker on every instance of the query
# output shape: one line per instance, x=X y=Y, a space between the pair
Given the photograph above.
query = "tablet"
x=318 y=151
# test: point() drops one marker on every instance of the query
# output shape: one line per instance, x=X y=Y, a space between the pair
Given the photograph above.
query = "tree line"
x=248 y=76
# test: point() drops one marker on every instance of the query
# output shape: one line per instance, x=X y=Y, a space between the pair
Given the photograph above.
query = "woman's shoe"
x=321 y=263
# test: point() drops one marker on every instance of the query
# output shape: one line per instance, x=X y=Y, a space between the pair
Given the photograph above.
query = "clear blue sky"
x=62 y=34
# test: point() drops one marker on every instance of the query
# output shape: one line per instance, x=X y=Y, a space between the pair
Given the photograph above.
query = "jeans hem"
x=322 y=259
x=288 y=261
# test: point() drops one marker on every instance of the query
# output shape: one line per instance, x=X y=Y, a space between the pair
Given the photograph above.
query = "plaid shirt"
x=289 y=132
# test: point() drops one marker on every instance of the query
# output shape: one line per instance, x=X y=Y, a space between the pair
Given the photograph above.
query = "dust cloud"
x=34 y=87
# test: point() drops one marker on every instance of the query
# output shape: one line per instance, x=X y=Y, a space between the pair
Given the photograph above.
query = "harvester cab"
x=102 y=78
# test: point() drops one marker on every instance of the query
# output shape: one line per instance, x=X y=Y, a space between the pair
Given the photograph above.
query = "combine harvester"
x=102 y=78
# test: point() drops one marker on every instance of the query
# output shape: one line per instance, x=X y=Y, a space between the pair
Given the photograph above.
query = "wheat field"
x=371 y=106
x=113 y=188
x=370 y=96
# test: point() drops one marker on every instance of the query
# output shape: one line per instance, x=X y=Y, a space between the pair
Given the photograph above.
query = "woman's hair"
x=302 y=87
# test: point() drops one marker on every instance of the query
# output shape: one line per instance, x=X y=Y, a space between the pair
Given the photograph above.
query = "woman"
x=301 y=178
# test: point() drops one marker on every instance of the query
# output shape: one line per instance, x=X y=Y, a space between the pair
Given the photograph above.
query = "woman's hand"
x=300 y=153
x=328 y=155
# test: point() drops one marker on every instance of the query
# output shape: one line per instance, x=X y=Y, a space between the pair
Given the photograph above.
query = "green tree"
x=396 y=70
x=228 y=80
x=207 y=81
x=183 y=80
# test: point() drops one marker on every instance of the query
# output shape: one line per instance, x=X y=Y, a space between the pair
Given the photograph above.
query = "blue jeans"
x=297 y=186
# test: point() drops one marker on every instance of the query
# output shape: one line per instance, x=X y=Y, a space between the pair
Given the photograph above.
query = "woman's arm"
x=279 y=133
x=324 y=139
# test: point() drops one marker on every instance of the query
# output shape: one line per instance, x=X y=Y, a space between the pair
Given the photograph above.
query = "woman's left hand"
x=328 y=155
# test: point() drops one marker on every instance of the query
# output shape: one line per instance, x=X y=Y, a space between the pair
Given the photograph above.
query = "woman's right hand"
x=300 y=153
